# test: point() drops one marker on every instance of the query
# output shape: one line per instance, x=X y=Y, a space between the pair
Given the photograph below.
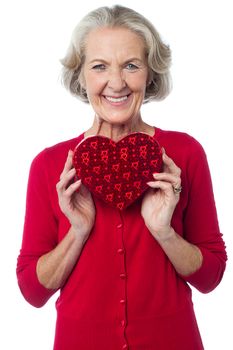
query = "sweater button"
x=122 y=301
x=124 y=347
x=123 y=323
x=123 y=276
x=120 y=251
x=119 y=226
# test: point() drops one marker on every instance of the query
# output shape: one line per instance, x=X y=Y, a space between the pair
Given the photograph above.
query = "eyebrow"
x=132 y=59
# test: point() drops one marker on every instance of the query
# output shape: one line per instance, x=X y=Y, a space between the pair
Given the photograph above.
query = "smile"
x=116 y=99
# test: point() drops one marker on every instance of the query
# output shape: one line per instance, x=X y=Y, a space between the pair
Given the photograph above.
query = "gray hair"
x=158 y=53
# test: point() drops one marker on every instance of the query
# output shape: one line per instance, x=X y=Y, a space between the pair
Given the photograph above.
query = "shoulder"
x=177 y=139
x=58 y=150
x=53 y=158
x=179 y=144
x=184 y=149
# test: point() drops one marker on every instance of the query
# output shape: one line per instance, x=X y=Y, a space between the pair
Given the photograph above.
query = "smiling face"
x=115 y=74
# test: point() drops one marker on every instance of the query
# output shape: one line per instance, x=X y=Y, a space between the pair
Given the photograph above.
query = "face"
x=115 y=74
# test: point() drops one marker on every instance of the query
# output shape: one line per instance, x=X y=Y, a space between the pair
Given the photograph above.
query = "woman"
x=123 y=275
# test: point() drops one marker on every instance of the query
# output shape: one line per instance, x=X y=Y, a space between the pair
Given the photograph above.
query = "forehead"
x=118 y=41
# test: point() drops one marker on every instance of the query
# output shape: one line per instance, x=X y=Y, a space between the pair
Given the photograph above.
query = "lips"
x=116 y=99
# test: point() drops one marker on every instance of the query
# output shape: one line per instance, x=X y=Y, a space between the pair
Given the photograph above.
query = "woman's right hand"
x=75 y=200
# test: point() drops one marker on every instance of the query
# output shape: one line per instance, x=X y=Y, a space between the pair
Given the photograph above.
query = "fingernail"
x=155 y=175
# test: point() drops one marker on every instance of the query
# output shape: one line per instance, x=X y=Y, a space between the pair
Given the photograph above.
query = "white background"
x=37 y=112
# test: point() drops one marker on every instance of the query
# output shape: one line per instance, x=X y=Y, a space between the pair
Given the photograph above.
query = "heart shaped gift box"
x=117 y=172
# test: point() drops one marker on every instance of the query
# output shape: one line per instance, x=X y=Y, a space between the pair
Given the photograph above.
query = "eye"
x=99 y=67
x=131 y=66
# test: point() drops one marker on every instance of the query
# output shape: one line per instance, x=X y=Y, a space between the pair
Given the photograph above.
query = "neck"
x=118 y=131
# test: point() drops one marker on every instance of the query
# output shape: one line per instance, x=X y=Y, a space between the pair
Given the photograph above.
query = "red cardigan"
x=123 y=292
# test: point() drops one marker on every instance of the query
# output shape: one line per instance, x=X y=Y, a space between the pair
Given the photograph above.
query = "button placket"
x=122 y=314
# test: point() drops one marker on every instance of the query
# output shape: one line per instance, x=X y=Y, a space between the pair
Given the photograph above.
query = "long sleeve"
x=40 y=234
x=201 y=224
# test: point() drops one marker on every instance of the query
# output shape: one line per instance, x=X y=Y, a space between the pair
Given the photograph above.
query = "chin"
x=118 y=119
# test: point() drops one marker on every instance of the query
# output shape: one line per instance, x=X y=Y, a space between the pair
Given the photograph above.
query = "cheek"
x=94 y=85
x=139 y=84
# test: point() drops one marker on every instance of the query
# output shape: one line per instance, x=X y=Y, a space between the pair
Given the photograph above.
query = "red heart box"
x=117 y=172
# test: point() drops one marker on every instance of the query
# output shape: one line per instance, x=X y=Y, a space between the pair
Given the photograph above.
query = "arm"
x=200 y=256
x=184 y=256
x=157 y=210
x=75 y=201
x=43 y=264
x=200 y=224
x=54 y=268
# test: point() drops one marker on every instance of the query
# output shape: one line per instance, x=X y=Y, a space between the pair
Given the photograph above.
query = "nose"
x=116 y=80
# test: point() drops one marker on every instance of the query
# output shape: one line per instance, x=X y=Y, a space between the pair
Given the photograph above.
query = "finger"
x=170 y=165
x=164 y=186
x=66 y=179
x=173 y=179
x=72 y=189
x=68 y=164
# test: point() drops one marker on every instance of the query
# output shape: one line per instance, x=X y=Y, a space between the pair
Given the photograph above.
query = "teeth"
x=119 y=99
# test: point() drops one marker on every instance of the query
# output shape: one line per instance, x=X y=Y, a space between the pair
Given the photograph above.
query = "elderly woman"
x=123 y=275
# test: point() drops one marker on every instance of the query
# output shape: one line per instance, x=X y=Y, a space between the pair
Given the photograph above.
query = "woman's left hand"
x=160 y=200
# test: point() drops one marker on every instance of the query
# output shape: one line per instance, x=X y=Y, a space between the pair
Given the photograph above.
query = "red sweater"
x=123 y=291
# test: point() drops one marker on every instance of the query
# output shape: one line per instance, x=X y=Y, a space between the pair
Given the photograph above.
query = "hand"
x=75 y=200
x=160 y=200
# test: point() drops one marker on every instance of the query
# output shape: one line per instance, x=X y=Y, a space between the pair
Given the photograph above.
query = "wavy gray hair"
x=158 y=53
